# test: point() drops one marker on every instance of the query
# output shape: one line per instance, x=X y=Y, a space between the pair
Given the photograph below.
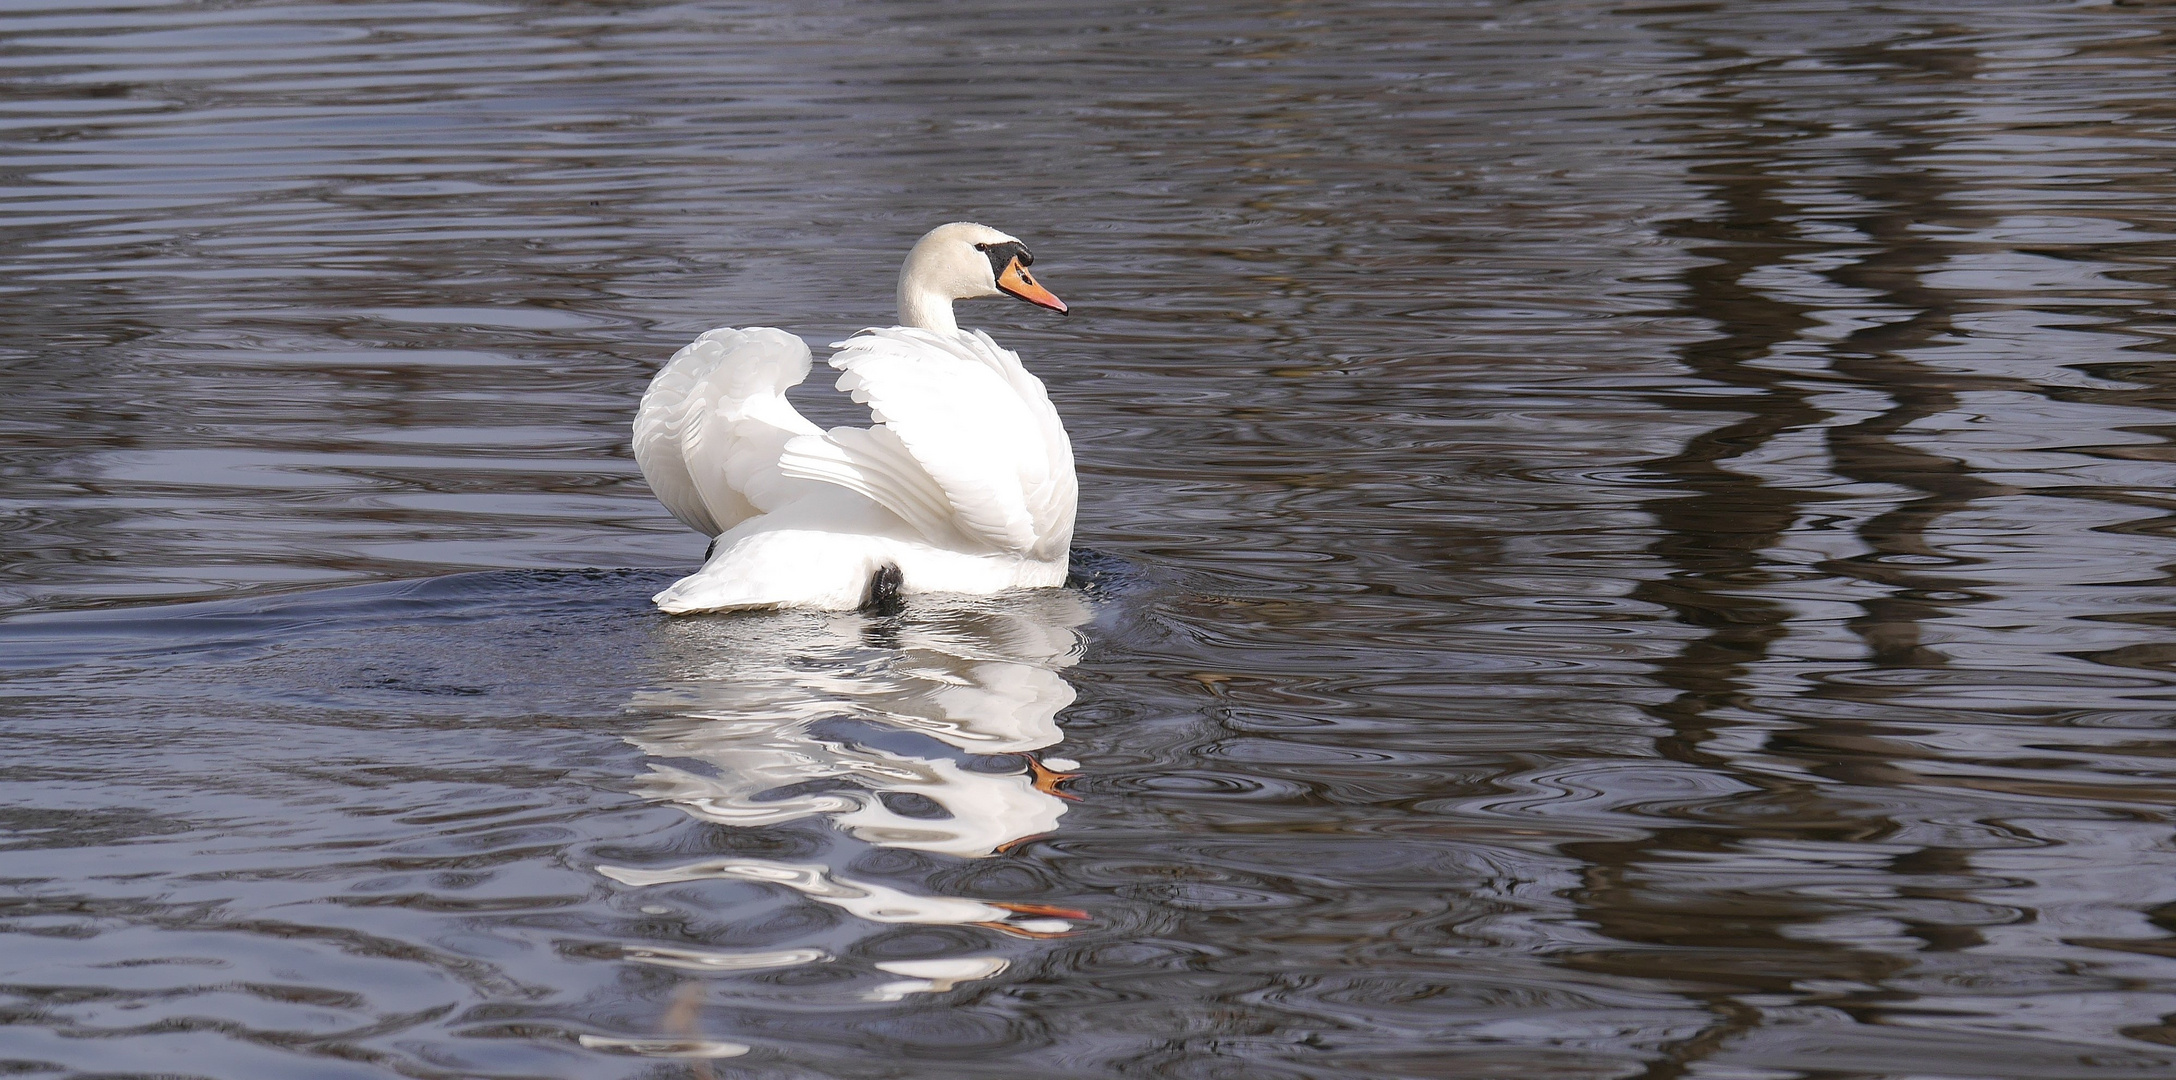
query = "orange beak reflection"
x=1016 y=281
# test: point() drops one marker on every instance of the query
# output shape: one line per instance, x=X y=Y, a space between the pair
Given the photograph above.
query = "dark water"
x=1620 y=540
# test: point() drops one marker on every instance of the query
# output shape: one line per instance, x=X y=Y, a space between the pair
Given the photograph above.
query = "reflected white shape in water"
x=707 y=960
x=984 y=811
x=868 y=900
x=896 y=729
x=934 y=976
x=708 y=1049
x=981 y=678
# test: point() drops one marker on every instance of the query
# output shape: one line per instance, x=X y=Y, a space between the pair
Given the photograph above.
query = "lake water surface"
x=1618 y=540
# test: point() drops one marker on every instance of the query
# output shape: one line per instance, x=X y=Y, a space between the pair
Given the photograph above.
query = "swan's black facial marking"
x=1009 y=272
x=1002 y=255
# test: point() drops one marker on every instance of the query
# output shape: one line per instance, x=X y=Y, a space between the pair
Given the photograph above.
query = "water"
x=1618 y=541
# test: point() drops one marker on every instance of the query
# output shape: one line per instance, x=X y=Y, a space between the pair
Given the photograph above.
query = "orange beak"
x=1016 y=281
x=1047 y=781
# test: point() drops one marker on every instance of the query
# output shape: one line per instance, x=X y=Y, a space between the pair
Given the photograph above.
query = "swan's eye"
x=1001 y=255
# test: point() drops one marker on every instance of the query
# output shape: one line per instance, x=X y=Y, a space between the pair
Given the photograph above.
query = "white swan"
x=965 y=483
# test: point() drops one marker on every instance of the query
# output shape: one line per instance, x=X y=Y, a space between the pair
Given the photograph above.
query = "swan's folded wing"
x=714 y=422
x=873 y=463
x=1051 y=494
x=967 y=445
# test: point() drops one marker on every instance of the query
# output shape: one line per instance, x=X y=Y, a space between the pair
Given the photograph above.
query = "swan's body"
x=964 y=484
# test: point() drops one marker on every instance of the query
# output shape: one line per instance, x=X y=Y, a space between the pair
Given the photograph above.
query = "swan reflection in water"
x=924 y=731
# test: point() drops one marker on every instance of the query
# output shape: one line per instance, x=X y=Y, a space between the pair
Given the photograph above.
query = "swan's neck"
x=923 y=306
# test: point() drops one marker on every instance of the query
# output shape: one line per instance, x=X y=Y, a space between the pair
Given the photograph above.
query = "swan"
x=964 y=483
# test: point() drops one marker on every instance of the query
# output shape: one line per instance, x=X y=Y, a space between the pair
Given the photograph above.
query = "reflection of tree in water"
x=920 y=732
x=1783 y=164
x=1715 y=536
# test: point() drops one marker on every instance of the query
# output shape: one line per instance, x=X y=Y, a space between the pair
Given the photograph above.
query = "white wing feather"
x=968 y=446
x=714 y=422
x=873 y=463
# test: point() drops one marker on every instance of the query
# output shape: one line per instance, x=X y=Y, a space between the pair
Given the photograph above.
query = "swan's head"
x=965 y=261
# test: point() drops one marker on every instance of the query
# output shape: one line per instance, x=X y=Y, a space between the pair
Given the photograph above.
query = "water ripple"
x=1626 y=541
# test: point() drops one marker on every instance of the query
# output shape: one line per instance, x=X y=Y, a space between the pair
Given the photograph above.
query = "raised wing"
x=967 y=446
x=714 y=422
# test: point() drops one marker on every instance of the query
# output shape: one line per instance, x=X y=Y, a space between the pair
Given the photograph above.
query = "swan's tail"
x=784 y=568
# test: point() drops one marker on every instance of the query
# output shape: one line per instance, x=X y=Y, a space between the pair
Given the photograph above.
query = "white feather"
x=714 y=421
x=981 y=429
